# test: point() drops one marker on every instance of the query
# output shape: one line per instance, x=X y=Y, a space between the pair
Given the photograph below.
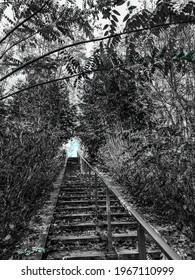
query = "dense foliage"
x=33 y=124
x=136 y=111
x=138 y=114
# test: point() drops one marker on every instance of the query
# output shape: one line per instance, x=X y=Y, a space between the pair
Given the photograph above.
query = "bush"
x=157 y=169
x=28 y=165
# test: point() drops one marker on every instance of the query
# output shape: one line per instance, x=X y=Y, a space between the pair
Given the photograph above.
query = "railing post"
x=96 y=196
x=109 y=220
x=90 y=177
x=141 y=242
x=84 y=170
x=82 y=167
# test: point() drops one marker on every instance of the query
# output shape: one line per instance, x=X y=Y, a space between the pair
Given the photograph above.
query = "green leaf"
x=180 y=54
x=28 y=252
x=41 y=250
x=20 y=252
x=188 y=56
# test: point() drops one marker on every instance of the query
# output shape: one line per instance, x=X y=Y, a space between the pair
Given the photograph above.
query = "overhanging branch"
x=89 y=41
x=53 y=81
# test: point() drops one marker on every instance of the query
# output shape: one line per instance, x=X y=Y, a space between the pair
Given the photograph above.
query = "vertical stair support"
x=81 y=167
x=141 y=242
x=90 y=177
x=96 y=198
x=85 y=170
x=109 y=220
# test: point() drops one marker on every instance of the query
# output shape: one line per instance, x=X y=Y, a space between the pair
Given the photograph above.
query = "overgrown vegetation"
x=33 y=127
x=136 y=111
x=141 y=114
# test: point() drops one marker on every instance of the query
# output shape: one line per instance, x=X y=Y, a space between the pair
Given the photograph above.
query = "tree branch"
x=30 y=36
x=89 y=41
x=53 y=81
x=18 y=42
x=21 y=23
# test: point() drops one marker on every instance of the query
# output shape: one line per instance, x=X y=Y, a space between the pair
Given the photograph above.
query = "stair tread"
x=83 y=201
x=90 y=207
x=74 y=237
x=92 y=236
x=122 y=251
x=103 y=222
x=86 y=215
x=65 y=197
x=125 y=235
x=78 y=254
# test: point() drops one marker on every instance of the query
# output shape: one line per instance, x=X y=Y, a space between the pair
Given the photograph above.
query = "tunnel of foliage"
x=135 y=113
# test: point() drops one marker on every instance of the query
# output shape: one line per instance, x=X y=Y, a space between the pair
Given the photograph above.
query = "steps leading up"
x=79 y=230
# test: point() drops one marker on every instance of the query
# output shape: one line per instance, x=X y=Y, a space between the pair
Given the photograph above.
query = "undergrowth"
x=157 y=170
x=28 y=166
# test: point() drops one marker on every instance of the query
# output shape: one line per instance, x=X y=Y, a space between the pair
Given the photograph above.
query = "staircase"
x=79 y=229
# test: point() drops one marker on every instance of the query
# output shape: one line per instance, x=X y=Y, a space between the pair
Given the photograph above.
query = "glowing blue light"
x=73 y=147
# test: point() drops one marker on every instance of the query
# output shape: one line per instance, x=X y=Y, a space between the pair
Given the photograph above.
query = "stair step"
x=92 y=237
x=101 y=224
x=78 y=255
x=66 y=197
x=131 y=234
x=134 y=254
x=75 y=216
x=92 y=207
x=83 y=201
x=80 y=192
x=79 y=189
x=74 y=190
x=73 y=238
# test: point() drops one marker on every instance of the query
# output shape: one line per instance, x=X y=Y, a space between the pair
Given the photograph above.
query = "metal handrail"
x=143 y=226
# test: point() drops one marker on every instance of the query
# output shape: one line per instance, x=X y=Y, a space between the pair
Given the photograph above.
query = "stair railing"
x=143 y=226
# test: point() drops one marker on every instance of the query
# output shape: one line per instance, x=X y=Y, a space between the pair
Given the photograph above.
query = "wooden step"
x=73 y=192
x=76 y=216
x=131 y=254
x=91 y=207
x=131 y=234
x=85 y=226
x=66 y=197
x=84 y=201
x=76 y=255
x=78 y=189
x=76 y=193
x=71 y=239
x=91 y=237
